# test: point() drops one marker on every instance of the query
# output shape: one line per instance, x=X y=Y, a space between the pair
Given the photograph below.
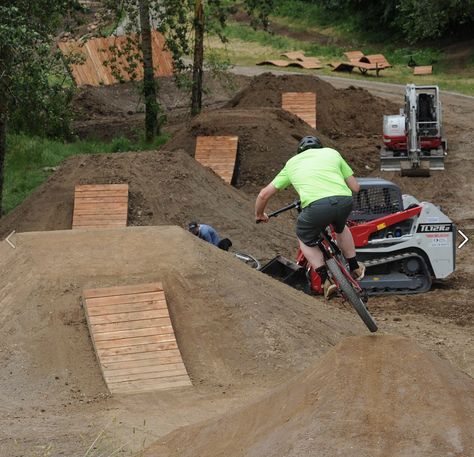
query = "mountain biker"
x=324 y=182
x=209 y=234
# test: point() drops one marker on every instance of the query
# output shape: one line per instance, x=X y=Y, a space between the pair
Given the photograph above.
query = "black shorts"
x=319 y=214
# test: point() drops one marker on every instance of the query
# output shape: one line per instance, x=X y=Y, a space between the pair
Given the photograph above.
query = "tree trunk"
x=149 y=87
x=196 y=99
x=3 y=150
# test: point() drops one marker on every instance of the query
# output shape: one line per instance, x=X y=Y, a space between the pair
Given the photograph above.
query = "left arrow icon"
x=466 y=239
x=7 y=239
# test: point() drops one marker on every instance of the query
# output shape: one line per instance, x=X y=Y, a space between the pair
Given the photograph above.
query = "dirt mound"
x=368 y=396
x=234 y=327
x=106 y=112
x=165 y=188
x=349 y=120
x=267 y=139
x=340 y=112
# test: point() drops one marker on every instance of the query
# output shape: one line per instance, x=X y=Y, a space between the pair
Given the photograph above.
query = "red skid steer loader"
x=405 y=244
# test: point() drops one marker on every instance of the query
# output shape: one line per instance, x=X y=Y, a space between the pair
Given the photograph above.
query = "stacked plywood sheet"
x=100 y=206
x=357 y=59
x=296 y=59
x=301 y=104
x=354 y=56
x=134 y=339
x=218 y=153
x=95 y=53
x=423 y=70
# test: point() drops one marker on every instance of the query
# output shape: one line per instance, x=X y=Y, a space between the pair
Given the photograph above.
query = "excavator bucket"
x=421 y=171
x=286 y=271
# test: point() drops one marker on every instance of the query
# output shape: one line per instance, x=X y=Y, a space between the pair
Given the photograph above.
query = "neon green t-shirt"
x=315 y=174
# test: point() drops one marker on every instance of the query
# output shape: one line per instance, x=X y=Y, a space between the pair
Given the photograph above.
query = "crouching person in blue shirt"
x=209 y=234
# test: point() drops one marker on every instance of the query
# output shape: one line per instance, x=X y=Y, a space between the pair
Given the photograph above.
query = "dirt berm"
x=369 y=396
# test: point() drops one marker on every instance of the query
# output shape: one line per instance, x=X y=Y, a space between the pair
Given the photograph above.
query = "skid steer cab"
x=404 y=243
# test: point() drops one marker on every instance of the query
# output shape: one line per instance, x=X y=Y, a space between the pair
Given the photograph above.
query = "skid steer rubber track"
x=407 y=274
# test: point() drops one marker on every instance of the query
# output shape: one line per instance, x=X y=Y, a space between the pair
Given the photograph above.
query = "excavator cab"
x=413 y=140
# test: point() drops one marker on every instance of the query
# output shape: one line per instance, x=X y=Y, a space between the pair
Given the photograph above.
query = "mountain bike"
x=347 y=286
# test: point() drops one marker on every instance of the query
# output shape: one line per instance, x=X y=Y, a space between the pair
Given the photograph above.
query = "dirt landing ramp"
x=232 y=324
x=369 y=396
x=237 y=329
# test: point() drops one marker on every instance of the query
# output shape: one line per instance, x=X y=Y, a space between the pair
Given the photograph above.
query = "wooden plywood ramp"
x=423 y=70
x=301 y=104
x=219 y=153
x=133 y=337
x=100 y=206
x=357 y=59
x=94 y=53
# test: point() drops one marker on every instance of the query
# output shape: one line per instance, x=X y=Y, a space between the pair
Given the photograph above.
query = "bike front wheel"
x=351 y=295
x=248 y=260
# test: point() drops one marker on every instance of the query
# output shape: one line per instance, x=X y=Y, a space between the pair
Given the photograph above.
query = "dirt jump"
x=274 y=371
x=363 y=398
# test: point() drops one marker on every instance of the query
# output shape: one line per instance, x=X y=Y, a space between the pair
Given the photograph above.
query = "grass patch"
x=279 y=42
x=265 y=46
x=31 y=160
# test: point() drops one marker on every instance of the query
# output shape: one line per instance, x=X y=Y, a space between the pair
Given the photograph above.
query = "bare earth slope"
x=369 y=396
x=235 y=327
x=165 y=188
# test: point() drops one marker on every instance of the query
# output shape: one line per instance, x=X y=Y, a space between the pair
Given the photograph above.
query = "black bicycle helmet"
x=309 y=142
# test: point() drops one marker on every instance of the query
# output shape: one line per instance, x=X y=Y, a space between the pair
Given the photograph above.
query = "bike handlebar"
x=295 y=204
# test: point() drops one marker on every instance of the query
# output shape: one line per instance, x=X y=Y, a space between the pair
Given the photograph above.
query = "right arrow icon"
x=466 y=239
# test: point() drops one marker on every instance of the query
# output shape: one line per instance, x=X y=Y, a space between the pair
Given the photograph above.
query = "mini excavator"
x=413 y=140
x=405 y=244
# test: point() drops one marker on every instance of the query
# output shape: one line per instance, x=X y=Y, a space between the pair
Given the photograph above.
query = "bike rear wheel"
x=351 y=295
x=248 y=259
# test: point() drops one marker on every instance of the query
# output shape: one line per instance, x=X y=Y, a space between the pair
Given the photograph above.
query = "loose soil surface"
x=343 y=406
x=110 y=111
x=244 y=337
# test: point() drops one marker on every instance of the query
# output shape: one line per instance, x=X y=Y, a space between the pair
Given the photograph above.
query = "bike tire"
x=248 y=260
x=351 y=295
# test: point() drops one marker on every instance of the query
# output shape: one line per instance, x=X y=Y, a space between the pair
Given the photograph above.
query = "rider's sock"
x=323 y=273
x=353 y=264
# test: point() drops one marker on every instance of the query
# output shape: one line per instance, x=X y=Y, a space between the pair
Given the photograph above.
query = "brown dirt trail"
x=372 y=395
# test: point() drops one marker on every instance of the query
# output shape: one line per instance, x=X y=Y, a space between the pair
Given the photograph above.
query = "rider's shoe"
x=359 y=273
x=330 y=289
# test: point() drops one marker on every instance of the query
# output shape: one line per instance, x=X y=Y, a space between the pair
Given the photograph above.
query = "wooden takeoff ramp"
x=100 y=206
x=301 y=104
x=134 y=340
x=219 y=153
x=94 y=66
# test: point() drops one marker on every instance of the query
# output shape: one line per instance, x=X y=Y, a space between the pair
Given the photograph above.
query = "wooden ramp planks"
x=100 y=206
x=423 y=70
x=301 y=104
x=219 y=153
x=133 y=337
x=96 y=52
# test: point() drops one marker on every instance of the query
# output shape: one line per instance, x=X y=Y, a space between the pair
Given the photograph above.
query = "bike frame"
x=331 y=250
x=327 y=245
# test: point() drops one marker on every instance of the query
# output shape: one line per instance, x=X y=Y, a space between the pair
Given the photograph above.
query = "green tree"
x=32 y=94
x=180 y=21
x=427 y=19
x=414 y=20
x=149 y=89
